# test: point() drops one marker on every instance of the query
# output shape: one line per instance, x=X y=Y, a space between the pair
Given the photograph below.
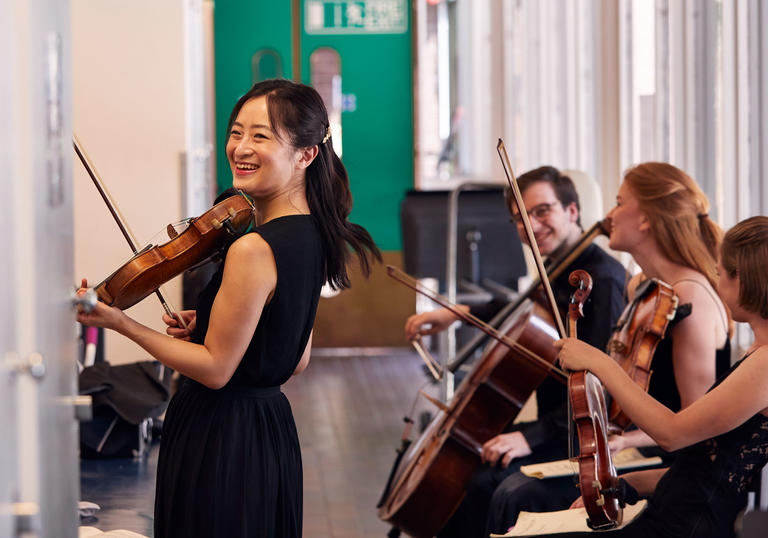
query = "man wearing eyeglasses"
x=553 y=210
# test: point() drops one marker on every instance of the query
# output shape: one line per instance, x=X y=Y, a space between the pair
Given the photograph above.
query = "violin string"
x=409 y=281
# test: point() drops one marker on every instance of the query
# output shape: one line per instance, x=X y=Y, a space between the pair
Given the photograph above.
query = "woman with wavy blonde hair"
x=661 y=219
x=678 y=213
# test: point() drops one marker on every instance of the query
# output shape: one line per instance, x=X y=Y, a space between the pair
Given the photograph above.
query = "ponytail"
x=330 y=201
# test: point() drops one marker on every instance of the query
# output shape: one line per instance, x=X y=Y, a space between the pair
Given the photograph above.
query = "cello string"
x=412 y=283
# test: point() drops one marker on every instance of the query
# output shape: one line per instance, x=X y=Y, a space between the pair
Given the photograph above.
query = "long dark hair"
x=297 y=111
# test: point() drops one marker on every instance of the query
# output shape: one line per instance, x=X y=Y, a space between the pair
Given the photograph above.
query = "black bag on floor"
x=126 y=400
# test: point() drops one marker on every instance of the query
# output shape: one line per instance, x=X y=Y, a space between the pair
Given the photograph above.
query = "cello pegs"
x=216 y=224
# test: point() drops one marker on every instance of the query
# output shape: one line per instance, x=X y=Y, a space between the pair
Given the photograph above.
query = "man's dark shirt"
x=601 y=311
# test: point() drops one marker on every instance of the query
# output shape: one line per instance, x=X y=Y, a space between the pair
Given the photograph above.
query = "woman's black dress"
x=230 y=464
x=705 y=488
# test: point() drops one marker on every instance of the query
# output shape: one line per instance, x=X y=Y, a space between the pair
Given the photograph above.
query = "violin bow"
x=115 y=212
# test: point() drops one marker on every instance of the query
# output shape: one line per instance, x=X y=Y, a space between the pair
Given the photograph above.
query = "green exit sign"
x=356 y=17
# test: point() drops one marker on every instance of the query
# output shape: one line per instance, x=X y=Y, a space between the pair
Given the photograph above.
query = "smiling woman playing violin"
x=230 y=463
x=723 y=434
x=660 y=218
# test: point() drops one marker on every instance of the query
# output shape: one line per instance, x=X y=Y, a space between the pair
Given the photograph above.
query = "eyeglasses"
x=538 y=212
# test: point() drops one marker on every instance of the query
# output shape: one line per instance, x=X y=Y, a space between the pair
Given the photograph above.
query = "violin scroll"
x=582 y=281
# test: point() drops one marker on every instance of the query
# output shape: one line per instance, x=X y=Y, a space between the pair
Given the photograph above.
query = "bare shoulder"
x=250 y=248
x=250 y=258
x=632 y=285
x=754 y=369
x=704 y=299
x=759 y=357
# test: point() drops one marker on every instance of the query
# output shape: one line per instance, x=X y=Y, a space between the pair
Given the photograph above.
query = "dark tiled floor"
x=349 y=414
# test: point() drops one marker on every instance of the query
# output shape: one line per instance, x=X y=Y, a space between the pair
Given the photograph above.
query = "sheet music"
x=624 y=459
x=534 y=524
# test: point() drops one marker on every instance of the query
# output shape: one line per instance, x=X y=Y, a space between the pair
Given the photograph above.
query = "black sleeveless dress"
x=230 y=463
x=705 y=488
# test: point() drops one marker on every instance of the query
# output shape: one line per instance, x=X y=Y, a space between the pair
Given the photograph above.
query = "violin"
x=598 y=481
x=154 y=265
x=639 y=330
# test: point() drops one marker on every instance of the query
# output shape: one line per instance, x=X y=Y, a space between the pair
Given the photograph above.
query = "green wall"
x=375 y=69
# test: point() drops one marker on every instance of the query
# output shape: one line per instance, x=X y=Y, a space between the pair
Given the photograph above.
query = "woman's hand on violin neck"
x=101 y=315
x=504 y=448
x=577 y=355
x=431 y=322
x=174 y=327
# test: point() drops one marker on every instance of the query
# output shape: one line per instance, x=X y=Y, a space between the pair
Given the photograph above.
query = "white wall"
x=129 y=114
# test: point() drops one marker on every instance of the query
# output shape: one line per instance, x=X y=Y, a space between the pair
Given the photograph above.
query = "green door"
x=372 y=90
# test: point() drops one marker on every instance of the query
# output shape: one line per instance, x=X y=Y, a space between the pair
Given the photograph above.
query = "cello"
x=429 y=477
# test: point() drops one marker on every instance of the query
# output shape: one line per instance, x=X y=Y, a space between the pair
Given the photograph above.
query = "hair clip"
x=327 y=135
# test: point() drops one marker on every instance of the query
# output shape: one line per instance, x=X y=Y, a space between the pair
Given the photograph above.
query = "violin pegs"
x=232 y=212
x=216 y=224
x=600 y=501
x=596 y=485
